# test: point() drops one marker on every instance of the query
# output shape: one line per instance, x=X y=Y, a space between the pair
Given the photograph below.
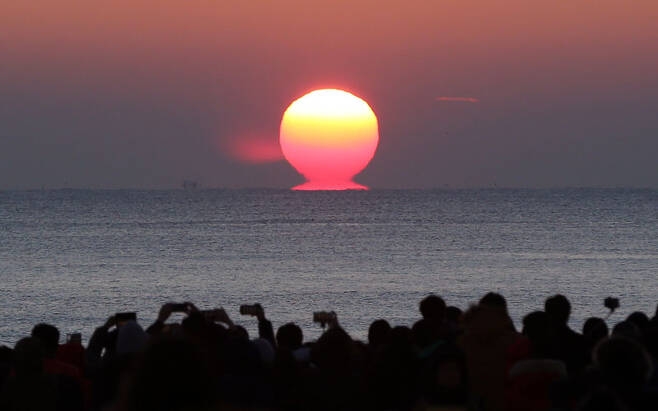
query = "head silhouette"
x=627 y=329
x=333 y=352
x=424 y=333
x=537 y=327
x=289 y=336
x=558 y=308
x=595 y=329
x=48 y=336
x=640 y=319
x=378 y=333
x=433 y=308
x=623 y=362
x=28 y=358
x=496 y=300
x=131 y=338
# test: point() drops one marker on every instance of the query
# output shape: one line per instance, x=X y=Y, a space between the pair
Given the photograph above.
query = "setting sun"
x=329 y=136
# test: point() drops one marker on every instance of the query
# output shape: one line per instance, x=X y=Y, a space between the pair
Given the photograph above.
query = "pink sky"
x=570 y=84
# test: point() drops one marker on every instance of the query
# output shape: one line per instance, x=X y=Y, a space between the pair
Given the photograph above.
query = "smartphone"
x=209 y=315
x=179 y=308
x=122 y=318
x=74 y=338
x=323 y=317
x=250 y=309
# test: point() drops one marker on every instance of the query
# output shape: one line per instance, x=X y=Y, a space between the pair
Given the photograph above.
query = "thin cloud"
x=458 y=99
x=252 y=149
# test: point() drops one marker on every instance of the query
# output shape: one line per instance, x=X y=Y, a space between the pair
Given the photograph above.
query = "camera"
x=250 y=309
x=122 y=318
x=611 y=303
x=324 y=317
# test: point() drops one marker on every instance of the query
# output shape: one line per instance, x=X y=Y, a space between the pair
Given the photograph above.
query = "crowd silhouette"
x=448 y=360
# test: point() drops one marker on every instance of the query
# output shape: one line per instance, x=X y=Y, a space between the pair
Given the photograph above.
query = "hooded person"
x=131 y=339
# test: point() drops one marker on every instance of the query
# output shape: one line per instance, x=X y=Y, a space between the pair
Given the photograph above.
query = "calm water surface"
x=73 y=257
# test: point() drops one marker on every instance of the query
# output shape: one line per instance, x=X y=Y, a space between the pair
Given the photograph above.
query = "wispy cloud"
x=252 y=149
x=458 y=99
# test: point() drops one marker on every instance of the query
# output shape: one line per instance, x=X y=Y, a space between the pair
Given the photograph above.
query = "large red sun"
x=329 y=136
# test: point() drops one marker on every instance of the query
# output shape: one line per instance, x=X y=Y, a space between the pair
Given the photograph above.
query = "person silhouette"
x=570 y=346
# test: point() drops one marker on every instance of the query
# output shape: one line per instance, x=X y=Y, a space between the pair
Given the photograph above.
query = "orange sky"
x=244 y=62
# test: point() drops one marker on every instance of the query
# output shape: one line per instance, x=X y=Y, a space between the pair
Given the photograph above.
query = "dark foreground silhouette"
x=447 y=360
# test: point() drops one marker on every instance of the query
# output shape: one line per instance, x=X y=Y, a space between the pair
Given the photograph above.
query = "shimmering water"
x=73 y=257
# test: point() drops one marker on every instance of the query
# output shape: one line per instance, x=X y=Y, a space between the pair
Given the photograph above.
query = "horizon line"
x=434 y=188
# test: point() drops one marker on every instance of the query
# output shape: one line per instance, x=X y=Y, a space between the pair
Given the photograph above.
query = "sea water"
x=74 y=257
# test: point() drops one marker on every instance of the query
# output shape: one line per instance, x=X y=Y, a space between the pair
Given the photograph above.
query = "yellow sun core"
x=329 y=136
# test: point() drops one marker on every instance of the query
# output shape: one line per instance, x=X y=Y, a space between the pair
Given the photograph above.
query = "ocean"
x=74 y=257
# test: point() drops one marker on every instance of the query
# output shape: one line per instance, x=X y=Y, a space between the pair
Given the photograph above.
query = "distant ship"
x=190 y=185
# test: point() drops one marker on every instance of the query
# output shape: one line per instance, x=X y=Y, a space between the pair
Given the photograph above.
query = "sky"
x=477 y=93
